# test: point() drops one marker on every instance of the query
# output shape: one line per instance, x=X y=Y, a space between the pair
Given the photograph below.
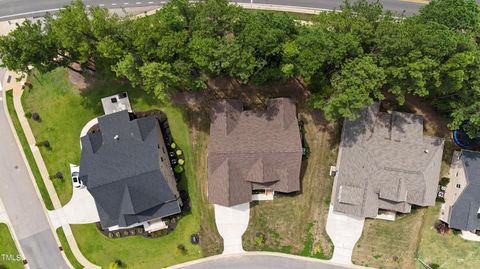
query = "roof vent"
x=426 y=151
x=116 y=137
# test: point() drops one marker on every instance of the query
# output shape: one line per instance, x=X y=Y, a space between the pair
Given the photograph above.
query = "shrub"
x=441 y=199
x=179 y=152
x=456 y=232
x=173 y=146
x=46 y=144
x=36 y=117
x=178 y=169
x=59 y=175
x=259 y=238
x=182 y=249
x=181 y=161
x=444 y=181
x=119 y=262
x=434 y=266
x=28 y=115
x=441 y=227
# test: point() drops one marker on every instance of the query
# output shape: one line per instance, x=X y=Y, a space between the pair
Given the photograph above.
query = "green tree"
x=357 y=85
x=29 y=45
x=71 y=28
x=455 y=14
x=265 y=34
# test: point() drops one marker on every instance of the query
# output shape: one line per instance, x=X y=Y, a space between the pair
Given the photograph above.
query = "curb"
x=261 y=253
x=29 y=170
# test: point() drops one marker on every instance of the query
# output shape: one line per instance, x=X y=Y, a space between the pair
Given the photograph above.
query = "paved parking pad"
x=232 y=222
x=344 y=231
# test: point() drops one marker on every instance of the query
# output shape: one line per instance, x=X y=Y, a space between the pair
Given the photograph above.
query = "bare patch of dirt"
x=81 y=81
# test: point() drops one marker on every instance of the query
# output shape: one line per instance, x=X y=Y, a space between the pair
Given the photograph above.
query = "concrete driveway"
x=344 y=231
x=81 y=209
x=232 y=222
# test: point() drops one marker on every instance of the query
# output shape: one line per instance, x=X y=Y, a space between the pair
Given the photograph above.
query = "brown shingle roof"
x=387 y=157
x=252 y=149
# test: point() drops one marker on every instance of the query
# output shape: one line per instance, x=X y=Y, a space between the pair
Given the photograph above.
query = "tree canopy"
x=347 y=60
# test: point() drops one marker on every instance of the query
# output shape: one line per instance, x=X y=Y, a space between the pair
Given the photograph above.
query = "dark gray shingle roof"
x=464 y=214
x=121 y=168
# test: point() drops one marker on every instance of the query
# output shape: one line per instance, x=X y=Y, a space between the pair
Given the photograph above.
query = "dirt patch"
x=81 y=81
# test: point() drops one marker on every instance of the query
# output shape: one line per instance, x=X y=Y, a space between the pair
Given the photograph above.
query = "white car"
x=77 y=183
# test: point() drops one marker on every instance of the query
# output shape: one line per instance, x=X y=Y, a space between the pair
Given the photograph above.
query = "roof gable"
x=388 y=153
x=122 y=171
x=261 y=146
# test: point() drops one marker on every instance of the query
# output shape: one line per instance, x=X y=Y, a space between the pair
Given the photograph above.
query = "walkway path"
x=232 y=222
x=17 y=94
x=20 y=196
x=344 y=231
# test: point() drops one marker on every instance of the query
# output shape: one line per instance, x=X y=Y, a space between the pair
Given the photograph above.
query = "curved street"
x=258 y=260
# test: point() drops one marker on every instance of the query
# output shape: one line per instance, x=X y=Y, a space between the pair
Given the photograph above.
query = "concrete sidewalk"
x=17 y=94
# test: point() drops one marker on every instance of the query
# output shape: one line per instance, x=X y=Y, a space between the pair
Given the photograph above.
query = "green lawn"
x=449 y=251
x=8 y=250
x=390 y=244
x=64 y=111
x=67 y=250
x=28 y=152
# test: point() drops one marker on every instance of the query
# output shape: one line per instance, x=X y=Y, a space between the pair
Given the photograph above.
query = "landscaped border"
x=27 y=150
x=67 y=250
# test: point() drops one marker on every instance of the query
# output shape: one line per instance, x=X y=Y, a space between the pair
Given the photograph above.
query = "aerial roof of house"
x=465 y=212
x=385 y=162
x=120 y=167
x=252 y=149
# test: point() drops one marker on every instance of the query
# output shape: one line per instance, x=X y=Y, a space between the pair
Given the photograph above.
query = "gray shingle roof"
x=464 y=214
x=252 y=149
x=120 y=165
x=385 y=162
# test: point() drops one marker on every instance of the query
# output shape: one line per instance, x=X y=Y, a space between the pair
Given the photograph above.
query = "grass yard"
x=28 y=153
x=296 y=223
x=390 y=244
x=386 y=244
x=8 y=250
x=449 y=251
x=66 y=249
x=64 y=111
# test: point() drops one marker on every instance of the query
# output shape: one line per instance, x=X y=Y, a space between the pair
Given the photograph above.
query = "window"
x=161 y=159
x=458 y=186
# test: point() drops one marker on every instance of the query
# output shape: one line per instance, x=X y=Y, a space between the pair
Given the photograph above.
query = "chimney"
x=116 y=137
x=426 y=151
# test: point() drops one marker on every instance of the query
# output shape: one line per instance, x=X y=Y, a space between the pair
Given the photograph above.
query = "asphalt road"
x=10 y=9
x=22 y=204
x=262 y=262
